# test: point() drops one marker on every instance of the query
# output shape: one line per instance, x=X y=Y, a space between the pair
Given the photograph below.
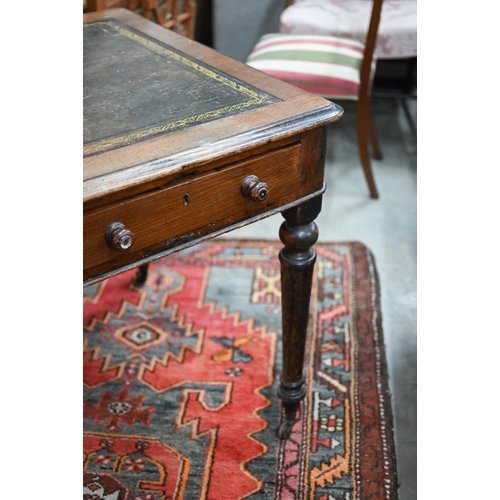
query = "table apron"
x=190 y=209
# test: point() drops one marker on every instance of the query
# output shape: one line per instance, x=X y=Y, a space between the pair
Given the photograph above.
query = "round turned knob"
x=119 y=237
x=252 y=188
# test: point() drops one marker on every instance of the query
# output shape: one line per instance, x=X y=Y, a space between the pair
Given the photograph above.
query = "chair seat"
x=323 y=65
x=397 y=32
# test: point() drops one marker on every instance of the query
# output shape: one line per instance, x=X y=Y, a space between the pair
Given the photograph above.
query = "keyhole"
x=186 y=199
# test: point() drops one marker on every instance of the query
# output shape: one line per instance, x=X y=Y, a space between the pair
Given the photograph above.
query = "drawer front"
x=190 y=209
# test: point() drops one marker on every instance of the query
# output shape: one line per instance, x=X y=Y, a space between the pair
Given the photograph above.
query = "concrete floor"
x=388 y=226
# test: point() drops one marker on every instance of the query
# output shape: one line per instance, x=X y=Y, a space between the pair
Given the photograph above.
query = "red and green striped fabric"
x=323 y=65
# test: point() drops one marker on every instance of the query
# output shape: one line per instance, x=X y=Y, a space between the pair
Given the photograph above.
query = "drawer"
x=195 y=206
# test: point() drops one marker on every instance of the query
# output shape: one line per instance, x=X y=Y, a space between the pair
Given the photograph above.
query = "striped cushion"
x=323 y=65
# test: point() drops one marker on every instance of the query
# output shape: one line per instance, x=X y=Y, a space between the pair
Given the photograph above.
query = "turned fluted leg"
x=298 y=233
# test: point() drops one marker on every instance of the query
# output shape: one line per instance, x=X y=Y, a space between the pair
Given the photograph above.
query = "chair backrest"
x=176 y=15
x=95 y=5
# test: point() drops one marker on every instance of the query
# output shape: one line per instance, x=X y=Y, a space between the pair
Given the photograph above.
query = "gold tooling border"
x=254 y=97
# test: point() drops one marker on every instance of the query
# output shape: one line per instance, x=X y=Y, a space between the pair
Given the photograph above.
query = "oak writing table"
x=182 y=144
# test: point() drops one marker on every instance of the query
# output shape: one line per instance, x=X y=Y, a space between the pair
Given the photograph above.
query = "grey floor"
x=388 y=226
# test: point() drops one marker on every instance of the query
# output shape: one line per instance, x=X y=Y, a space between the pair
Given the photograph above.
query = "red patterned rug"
x=180 y=380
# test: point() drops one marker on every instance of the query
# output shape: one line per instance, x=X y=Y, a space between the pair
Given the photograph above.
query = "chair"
x=396 y=46
x=176 y=15
x=334 y=67
x=95 y=5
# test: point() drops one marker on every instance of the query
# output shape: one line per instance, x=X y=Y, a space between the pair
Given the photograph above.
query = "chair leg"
x=371 y=131
x=364 y=155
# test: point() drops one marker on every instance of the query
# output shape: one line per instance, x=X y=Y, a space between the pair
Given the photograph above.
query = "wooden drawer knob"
x=252 y=188
x=119 y=237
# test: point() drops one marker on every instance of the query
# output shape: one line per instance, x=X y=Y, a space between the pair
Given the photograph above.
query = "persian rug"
x=181 y=374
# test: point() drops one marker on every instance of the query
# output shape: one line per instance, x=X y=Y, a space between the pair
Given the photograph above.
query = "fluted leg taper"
x=298 y=233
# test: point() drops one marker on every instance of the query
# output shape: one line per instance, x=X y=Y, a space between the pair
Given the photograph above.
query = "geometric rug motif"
x=181 y=375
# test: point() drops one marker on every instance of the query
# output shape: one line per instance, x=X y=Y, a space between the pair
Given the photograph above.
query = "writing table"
x=182 y=144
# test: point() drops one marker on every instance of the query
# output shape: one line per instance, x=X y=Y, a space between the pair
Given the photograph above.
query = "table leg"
x=141 y=275
x=298 y=233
